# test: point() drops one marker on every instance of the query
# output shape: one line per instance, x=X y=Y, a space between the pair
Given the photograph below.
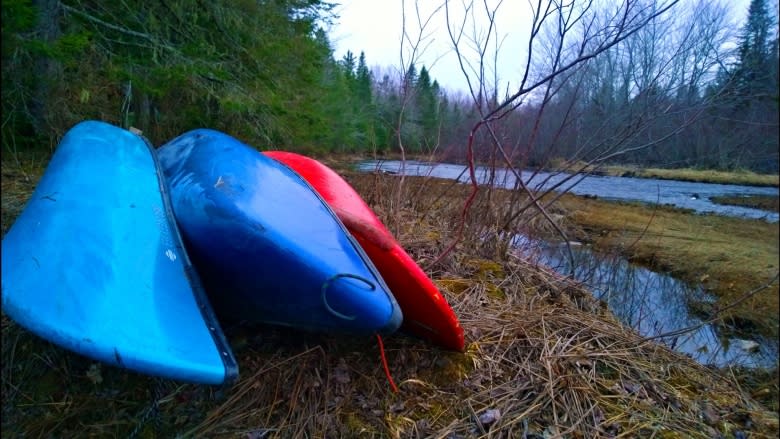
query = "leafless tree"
x=415 y=40
x=595 y=86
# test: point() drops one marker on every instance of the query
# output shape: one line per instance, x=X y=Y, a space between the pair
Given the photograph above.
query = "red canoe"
x=426 y=313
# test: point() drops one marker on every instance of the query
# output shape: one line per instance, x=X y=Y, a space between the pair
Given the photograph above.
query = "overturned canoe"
x=96 y=265
x=426 y=312
x=267 y=247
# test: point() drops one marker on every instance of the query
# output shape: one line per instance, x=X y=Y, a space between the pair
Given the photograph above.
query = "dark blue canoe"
x=95 y=263
x=267 y=247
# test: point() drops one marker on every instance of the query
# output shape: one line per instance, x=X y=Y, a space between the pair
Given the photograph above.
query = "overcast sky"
x=374 y=26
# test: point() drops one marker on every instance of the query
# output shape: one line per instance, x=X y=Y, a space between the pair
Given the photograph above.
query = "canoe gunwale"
x=204 y=306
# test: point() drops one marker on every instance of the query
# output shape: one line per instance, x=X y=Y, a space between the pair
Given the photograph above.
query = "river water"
x=683 y=194
x=653 y=304
x=650 y=302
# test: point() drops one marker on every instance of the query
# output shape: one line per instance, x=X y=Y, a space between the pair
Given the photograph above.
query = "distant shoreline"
x=740 y=177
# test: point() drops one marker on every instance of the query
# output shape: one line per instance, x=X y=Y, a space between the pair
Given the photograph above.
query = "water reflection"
x=683 y=194
x=652 y=303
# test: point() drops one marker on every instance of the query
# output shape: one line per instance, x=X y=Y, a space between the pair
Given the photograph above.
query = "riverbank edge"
x=726 y=256
x=638 y=243
x=739 y=177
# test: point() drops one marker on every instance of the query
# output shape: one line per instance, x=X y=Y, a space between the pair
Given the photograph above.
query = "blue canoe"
x=95 y=263
x=268 y=248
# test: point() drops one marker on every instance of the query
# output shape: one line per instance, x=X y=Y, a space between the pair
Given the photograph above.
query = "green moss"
x=494 y=291
x=454 y=285
x=484 y=268
x=358 y=426
x=450 y=367
x=606 y=371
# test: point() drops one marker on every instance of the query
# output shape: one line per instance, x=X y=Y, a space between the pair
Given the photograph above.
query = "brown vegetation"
x=543 y=358
x=740 y=177
x=764 y=202
x=743 y=177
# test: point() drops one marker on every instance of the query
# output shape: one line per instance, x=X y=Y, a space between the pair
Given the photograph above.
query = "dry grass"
x=765 y=202
x=544 y=359
x=742 y=177
x=739 y=177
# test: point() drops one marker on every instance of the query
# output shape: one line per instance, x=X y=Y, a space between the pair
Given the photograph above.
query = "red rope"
x=384 y=364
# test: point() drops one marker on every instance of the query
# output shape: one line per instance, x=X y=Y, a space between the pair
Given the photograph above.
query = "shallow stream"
x=653 y=303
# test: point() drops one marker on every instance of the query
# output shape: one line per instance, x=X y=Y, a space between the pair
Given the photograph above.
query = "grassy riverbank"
x=543 y=358
x=746 y=178
x=764 y=202
x=738 y=177
x=728 y=256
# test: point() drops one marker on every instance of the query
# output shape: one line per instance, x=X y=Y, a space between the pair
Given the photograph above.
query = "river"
x=652 y=303
x=683 y=194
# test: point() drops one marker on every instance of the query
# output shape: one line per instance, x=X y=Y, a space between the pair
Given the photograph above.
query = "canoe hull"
x=426 y=312
x=267 y=247
x=95 y=263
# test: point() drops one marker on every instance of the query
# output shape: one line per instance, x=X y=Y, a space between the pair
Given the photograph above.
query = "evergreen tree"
x=427 y=104
x=411 y=131
x=253 y=69
x=387 y=102
x=365 y=108
x=348 y=63
x=363 y=81
x=410 y=79
x=753 y=76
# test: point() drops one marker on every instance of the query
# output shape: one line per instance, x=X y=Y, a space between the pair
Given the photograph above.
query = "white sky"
x=375 y=26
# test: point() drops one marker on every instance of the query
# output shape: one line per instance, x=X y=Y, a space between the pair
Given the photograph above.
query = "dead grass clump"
x=544 y=359
x=765 y=202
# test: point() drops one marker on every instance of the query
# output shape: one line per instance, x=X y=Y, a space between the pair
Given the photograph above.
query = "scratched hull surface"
x=426 y=312
x=95 y=263
x=266 y=245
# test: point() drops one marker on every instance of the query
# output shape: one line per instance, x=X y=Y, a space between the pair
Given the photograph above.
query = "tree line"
x=671 y=94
